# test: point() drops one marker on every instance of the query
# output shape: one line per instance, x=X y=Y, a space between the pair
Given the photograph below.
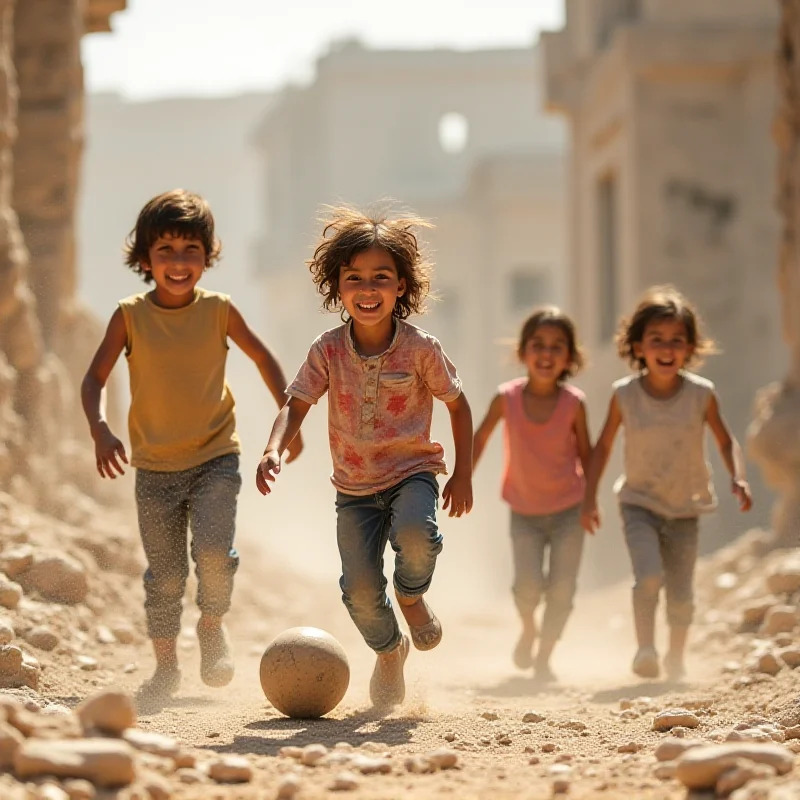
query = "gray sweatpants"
x=663 y=553
x=558 y=538
x=168 y=503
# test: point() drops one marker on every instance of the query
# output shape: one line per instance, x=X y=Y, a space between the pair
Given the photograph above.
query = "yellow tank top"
x=182 y=411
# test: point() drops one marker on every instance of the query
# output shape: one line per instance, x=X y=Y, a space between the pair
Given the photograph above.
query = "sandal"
x=427 y=636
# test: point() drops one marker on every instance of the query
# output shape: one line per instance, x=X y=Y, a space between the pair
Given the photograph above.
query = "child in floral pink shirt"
x=381 y=375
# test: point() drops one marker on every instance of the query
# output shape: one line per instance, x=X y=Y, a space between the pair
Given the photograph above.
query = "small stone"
x=288 y=787
x=345 y=782
x=10 y=593
x=231 y=769
x=49 y=791
x=78 y=789
x=419 y=765
x=291 y=751
x=16 y=560
x=672 y=748
x=42 y=638
x=10 y=741
x=701 y=767
x=450 y=737
x=150 y=742
x=491 y=716
x=768 y=664
x=190 y=776
x=503 y=738
x=561 y=786
x=7 y=632
x=790 y=656
x=534 y=760
x=784 y=579
x=87 y=663
x=443 y=758
x=753 y=613
x=123 y=633
x=10 y=660
x=549 y=747
x=313 y=754
x=739 y=773
x=57 y=578
x=675 y=717
x=573 y=725
x=371 y=766
x=104 y=635
x=630 y=747
x=780 y=619
x=665 y=771
x=111 y=712
x=104 y=762
x=157 y=787
x=532 y=717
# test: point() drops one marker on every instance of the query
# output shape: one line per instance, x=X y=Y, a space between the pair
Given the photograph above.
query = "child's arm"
x=731 y=454
x=584 y=442
x=494 y=414
x=254 y=348
x=457 y=492
x=590 y=516
x=107 y=447
x=284 y=430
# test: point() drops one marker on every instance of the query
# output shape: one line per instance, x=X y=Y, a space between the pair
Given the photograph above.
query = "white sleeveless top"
x=666 y=468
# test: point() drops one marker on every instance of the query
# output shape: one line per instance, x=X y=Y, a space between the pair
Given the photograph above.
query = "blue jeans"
x=168 y=503
x=560 y=533
x=663 y=553
x=405 y=516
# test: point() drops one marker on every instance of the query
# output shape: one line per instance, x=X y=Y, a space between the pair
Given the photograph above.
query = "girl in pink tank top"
x=547 y=449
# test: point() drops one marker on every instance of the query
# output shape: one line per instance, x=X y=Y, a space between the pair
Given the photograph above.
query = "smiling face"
x=547 y=354
x=369 y=287
x=176 y=264
x=665 y=347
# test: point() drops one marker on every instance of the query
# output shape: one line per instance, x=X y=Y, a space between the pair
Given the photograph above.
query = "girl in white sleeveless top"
x=666 y=484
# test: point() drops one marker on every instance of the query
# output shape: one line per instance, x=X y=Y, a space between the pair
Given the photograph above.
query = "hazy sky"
x=170 y=47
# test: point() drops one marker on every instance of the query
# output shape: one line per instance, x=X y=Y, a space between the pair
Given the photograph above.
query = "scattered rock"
x=111 y=712
x=345 y=782
x=675 y=717
x=10 y=593
x=10 y=741
x=371 y=766
x=7 y=632
x=790 y=656
x=57 y=578
x=532 y=717
x=104 y=762
x=288 y=787
x=768 y=663
x=79 y=789
x=104 y=635
x=42 y=638
x=151 y=742
x=671 y=748
x=665 y=770
x=741 y=772
x=16 y=560
x=491 y=716
x=780 y=619
x=443 y=758
x=701 y=767
x=87 y=663
x=785 y=579
x=231 y=769
x=313 y=754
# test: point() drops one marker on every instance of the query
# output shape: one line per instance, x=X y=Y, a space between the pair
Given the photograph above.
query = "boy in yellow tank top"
x=181 y=425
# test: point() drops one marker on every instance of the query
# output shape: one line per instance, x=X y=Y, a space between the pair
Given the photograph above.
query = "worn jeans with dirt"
x=663 y=554
x=202 y=498
x=404 y=516
x=547 y=553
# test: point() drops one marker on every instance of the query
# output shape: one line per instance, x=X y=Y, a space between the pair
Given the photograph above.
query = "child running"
x=666 y=483
x=380 y=373
x=181 y=424
x=547 y=450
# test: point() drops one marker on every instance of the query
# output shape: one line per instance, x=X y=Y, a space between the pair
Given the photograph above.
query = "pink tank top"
x=543 y=473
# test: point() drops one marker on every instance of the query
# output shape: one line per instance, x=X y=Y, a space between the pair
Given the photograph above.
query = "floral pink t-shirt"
x=379 y=407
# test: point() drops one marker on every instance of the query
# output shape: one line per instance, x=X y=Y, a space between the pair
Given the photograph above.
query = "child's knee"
x=649 y=585
x=168 y=586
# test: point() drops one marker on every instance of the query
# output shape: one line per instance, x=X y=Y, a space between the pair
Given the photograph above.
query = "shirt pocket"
x=397 y=380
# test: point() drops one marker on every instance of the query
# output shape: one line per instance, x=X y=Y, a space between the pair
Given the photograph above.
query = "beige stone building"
x=46 y=336
x=672 y=179
x=460 y=138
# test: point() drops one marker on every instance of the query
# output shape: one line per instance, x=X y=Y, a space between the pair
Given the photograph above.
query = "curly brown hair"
x=661 y=303
x=176 y=213
x=552 y=315
x=348 y=232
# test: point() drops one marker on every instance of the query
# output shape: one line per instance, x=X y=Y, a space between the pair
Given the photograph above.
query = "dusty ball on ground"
x=304 y=672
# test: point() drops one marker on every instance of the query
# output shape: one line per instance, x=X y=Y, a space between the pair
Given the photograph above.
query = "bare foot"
x=387 y=687
x=674 y=666
x=216 y=659
x=423 y=624
x=542 y=672
x=523 y=652
x=645 y=663
x=163 y=683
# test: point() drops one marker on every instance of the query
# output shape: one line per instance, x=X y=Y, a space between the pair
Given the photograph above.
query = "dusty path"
x=465 y=695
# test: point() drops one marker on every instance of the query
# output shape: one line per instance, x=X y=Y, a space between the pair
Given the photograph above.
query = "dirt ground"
x=591 y=734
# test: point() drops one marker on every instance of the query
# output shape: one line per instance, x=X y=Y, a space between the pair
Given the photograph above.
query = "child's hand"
x=268 y=468
x=294 y=449
x=457 y=495
x=590 y=517
x=107 y=448
x=742 y=491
